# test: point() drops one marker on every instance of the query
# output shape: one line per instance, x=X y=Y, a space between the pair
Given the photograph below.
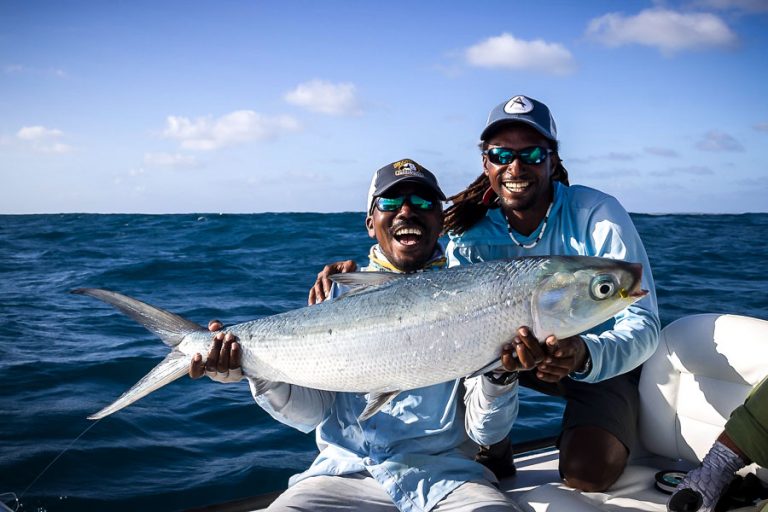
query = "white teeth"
x=517 y=186
x=408 y=231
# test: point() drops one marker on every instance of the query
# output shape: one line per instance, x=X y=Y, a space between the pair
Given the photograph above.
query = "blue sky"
x=252 y=106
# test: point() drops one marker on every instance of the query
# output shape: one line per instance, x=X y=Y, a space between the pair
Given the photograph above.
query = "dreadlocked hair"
x=468 y=207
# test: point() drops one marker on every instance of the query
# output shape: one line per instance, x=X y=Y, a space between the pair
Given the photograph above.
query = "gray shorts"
x=612 y=404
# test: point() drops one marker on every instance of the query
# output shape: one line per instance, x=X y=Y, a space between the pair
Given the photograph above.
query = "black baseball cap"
x=521 y=109
x=402 y=171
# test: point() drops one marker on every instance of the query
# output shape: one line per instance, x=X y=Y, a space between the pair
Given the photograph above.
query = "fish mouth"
x=408 y=235
x=636 y=292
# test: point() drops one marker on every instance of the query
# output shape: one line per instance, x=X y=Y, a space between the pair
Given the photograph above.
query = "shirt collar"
x=378 y=262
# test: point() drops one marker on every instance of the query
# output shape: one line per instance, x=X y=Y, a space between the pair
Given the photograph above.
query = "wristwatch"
x=501 y=378
x=587 y=366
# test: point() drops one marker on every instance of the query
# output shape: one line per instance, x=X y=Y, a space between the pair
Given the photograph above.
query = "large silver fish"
x=400 y=331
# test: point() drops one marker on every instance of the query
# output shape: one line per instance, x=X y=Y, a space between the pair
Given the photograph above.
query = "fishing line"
x=46 y=468
x=4 y=497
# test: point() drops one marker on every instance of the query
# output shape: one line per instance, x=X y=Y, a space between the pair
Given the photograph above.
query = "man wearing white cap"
x=522 y=205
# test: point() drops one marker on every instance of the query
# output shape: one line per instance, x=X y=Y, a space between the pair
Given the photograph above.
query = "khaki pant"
x=748 y=425
x=361 y=493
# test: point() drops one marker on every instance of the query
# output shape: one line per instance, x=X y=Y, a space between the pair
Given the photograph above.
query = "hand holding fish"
x=224 y=362
x=553 y=359
x=565 y=356
x=322 y=287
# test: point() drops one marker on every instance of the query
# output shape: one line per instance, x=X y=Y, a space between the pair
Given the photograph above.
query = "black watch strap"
x=501 y=378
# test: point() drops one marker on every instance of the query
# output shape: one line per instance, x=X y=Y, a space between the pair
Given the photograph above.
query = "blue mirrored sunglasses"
x=533 y=155
x=391 y=204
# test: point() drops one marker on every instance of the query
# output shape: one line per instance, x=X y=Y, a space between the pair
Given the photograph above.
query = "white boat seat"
x=704 y=368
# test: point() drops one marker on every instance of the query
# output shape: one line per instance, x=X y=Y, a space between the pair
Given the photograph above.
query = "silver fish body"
x=409 y=330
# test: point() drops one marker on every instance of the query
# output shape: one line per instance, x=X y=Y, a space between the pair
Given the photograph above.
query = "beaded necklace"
x=538 y=238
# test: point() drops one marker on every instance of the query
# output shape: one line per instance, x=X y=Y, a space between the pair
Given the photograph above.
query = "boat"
x=704 y=367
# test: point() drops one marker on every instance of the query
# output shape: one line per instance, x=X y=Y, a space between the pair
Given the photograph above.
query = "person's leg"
x=348 y=493
x=748 y=425
x=499 y=458
x=745 y=439
x=599 y=426
x=477 y=496
x=591 y=458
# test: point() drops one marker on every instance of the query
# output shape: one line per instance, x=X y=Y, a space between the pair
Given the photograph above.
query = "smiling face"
x=407 y=236
x=524 y=190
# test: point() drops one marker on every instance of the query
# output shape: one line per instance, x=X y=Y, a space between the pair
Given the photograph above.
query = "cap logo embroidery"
x=407 y=168
x=518 y=105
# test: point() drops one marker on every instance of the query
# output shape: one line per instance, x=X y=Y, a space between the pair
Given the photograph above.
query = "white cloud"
x=42 y=139
x=38 y=133
x=696 y=170
x=665 y=152
x=667 y=30
x=508 y=52
x=18 y=69
x=719 y=141
x=206 y=133
x=173 y=160
x=618 y=156
x=736 y=5
x=614 y=156
x=326 y=97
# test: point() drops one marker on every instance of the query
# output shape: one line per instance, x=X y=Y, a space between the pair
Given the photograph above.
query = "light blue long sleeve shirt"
x=583 y=221
x=412 y=446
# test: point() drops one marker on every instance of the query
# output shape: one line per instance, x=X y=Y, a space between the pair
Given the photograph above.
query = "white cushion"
x=703 y=369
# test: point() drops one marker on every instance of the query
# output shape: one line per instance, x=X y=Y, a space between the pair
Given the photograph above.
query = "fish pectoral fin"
x=174 y=365
x=261 y=386
x=375 y=402
x=496 y=363
x=360 y=282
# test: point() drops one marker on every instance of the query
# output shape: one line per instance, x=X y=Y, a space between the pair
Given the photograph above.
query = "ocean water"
x=192 y=443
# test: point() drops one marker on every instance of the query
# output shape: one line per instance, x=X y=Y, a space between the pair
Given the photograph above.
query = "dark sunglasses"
x=392 y=204
x=533 y=155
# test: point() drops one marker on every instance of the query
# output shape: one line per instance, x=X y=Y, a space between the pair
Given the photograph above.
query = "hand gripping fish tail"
x=462 y=316
x=170 y=328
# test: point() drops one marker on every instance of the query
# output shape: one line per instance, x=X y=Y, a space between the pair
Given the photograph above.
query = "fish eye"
x=602 y=287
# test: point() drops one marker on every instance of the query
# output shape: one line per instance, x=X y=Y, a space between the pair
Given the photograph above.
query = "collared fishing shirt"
x=582 y=222
x=416 y=447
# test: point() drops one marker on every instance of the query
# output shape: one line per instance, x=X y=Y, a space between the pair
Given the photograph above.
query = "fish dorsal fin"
x=359 y=282
x=174 y=365
x=375 y=402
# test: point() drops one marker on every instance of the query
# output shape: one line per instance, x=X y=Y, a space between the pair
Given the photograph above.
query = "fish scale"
x=401 y=331
x=434 y=336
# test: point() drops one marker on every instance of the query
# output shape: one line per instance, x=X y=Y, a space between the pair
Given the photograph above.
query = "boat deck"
x=537 y=487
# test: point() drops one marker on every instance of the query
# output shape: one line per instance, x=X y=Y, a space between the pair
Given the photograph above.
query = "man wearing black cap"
x=409 y=455
x=522 y=205
x=405 y=244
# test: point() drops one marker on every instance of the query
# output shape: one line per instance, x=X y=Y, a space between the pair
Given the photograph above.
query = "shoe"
x=685 y=500
x=499 y=458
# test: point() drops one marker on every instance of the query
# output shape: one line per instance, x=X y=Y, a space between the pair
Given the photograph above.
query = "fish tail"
x=167 y=326
x=174 y=366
